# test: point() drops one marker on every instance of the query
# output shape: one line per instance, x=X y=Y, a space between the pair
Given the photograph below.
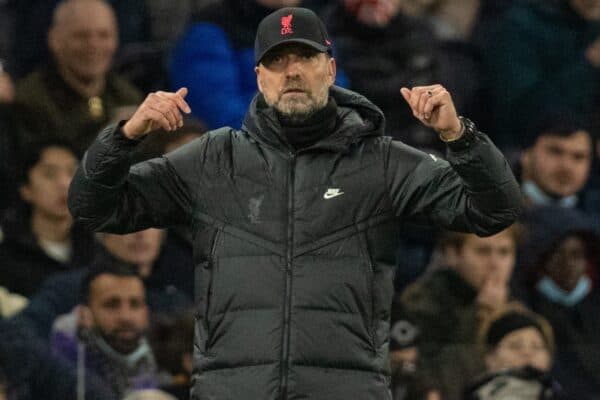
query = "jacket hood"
x=357 y=117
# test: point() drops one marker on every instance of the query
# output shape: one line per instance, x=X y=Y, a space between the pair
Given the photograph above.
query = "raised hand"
x=159 y=110
x=433 y=106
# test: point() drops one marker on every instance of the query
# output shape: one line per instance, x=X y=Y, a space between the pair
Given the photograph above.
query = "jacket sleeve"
x=474 y=191
x=109 y=195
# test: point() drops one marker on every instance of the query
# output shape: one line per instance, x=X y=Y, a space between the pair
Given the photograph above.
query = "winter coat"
x=295 y=249
x=25 y=265
x=443 y=307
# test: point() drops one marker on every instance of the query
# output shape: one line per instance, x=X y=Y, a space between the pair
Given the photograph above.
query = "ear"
x=331 y=70
x=490 y=361
x=525 y=161
x=25 y=192
x=84 y=316
x=451 y=256
x=257 y=71
x=53 y=42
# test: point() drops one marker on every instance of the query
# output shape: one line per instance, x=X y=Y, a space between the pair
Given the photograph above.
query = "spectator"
x=33 y=18
x=447 y=305
x=528 y=76
x=75 y=94
x=106 y=335
x=564 y=257
x=518 y=346
x=404 y=355
x=32 y=373
x=40 y=237
x=157 y=265
x=556 y=162
x=515 y=337
x=383 y=49
x=219 y=46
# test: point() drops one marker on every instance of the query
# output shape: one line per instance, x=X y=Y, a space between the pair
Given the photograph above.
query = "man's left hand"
x=433 y=106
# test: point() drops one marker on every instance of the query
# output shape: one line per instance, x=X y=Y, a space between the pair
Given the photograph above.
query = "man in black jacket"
x=294 y=217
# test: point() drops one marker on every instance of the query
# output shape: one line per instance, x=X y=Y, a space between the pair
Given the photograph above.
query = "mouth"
x=290 y=91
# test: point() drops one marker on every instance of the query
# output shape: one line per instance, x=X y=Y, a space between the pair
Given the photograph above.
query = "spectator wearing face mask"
x=561 y=256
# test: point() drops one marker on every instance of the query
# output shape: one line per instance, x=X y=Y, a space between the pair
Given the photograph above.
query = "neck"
x=85 y=87
x=306 y=131
x=50 y=229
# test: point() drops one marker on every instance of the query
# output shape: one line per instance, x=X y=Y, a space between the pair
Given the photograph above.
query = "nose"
x=292 y=65
x=125 y=314
x=64 y=180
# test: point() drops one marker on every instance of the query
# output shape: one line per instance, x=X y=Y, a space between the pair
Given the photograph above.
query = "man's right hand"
x=159 y=110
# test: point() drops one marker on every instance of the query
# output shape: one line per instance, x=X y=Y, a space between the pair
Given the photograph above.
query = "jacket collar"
x=357 y=118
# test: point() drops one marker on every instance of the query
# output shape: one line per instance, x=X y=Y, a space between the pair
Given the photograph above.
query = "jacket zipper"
x=210 y=295
x=370 y=282
x=288 y=283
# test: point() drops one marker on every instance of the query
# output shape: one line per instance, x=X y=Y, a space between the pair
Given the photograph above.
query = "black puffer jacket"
x=295 y=249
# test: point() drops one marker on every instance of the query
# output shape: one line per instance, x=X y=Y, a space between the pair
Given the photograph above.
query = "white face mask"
x=552 y=292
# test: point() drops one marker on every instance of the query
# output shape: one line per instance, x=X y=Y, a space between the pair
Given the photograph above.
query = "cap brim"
x=317 y=46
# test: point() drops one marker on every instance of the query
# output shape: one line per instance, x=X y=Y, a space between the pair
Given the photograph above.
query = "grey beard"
x=297 y=117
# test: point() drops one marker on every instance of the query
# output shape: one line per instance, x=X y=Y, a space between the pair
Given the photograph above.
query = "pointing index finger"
x=178 y=97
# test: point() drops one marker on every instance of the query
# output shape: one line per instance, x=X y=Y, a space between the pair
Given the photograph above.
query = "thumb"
x=406 y=94
x=182 y=92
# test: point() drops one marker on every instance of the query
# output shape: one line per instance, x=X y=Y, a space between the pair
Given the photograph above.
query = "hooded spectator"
x=563 y=254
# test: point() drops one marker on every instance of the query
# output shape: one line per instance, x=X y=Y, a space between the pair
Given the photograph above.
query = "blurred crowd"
x=106 y=316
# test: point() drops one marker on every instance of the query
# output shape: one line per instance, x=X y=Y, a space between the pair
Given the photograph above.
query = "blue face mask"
x=540 y=198
x=552 y=292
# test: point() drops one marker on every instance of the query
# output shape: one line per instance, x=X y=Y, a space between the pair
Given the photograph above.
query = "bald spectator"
x=75 y=94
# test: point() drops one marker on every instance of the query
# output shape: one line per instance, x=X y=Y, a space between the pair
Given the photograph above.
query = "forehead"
x=529 y=332
x=85 y=15
x=112 y=286
x=292 y=48
x=55 y=155
x=579 y=140
x=502 y=239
